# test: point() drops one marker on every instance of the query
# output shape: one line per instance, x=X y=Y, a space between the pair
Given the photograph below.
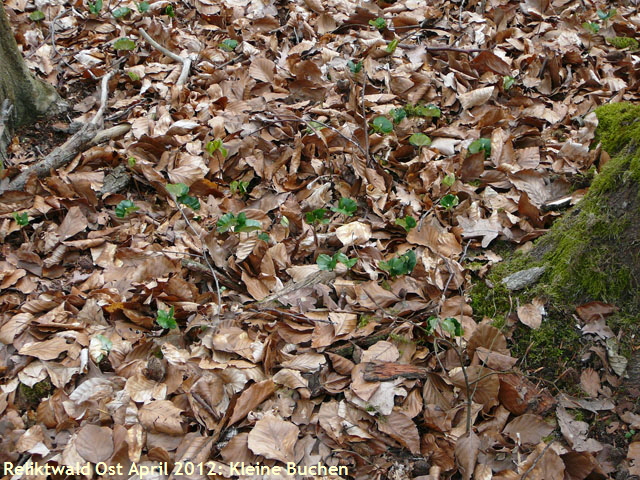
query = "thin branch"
x=104 y=95
x=535 y=462
x=185 y=61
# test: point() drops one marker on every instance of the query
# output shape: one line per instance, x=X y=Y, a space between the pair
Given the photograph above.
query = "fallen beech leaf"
x=466 y=452
x=590 y=382
x=530 y=315
x=402 y=429
x=94 y=443
x=528 y=429
x=354 y=233
x=273 y=438
x=476 y=97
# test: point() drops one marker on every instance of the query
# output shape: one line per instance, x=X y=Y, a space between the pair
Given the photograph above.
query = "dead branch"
x=186 y=61
x=87 y=137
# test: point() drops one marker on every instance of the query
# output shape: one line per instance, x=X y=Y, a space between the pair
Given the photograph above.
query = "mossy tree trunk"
x=29 y=96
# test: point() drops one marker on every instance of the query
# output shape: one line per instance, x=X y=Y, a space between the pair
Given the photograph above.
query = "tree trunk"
x=29 y=96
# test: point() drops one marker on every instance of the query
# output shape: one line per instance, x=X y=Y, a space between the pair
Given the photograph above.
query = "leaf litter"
x=290 y=139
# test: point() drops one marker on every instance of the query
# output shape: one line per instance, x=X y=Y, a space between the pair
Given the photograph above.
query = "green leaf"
x=134 y=76
x=284 y=221
x=121 y=12
x=354 y=67
x=264 y=237
x=325 y=262
x=398 y=114
x=393 y=44
x=346 y=206
x=419 y=140
x=192 y=202
x=169 y=11
x=507 y=82
x=166 y=319
x=124 y=43
x=423 y=111
x=402 y=265
x=432 y=323
x=452 y=326
x=407 y=222
x=95 y=7
x=481 y=145
x=449 y=201
x=449 y=179
x=36 y=16
x=125 y=207
x=21 y=219
x=245 y=224
x=606 y=16
x=177 y=189
x=214 y=146
x=379 y=23
x=228 y=44
x=382 y=125
x=591 y=27
x=226 y=222
x=239 y=186
x=143 y=7
x=317 y=215
x=350 y=262
x=131 y=161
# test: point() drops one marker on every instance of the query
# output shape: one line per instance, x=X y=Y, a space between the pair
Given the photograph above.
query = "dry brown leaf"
x=467 y=454
x=402 y=429
x=94 y=443
x=274 y=438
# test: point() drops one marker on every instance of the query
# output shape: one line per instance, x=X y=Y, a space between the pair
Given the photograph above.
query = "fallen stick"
x=186 y=61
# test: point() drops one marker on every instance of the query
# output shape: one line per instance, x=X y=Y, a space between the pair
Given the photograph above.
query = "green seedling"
x=313 y=127
x=121 y=12
x=264 y=237
x=398 y=114
x=407 y=223
x=36 y=16
x=180 y=192
x=379 y=23
x=131 y=161
x=391 y=47
x=125 y=207
x=124 y=43
x=143 y=7
x=238 y=224
x=239 y=186
x=166 y=319
x=169 y=11
x=449 y=179
x=325 y=262
x=21 y=219
x=423 y=111
x=591 y=27
x=606 y=16
x=419 y=140
x=94 y=7
x=216 y=146
x=449 y=201
x=382 y=125
x=133 y=76
x=354 y=67
x=401 y=265
x=507 y=82
x=346 y=206
x=629 y=434
x=450 y=325
x=319 y=215
x=228 y=44
x=481 y=145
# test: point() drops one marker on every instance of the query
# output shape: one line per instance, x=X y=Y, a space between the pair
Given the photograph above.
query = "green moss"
x=618 y=126
x=33 y=395
x=623 y=42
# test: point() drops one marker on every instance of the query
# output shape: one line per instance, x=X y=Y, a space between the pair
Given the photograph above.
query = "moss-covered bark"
x=29 y=96
x=592 y=253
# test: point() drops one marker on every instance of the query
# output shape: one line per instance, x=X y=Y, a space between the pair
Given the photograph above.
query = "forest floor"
x=293 y=256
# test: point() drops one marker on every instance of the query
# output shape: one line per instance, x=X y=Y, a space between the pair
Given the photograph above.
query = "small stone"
x=523 y=278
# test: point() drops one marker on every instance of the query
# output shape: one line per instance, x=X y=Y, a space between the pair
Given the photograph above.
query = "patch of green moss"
x=623 y=42
x=618 y=126
x=33 y=395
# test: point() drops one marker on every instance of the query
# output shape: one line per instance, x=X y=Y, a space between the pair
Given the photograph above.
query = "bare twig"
x=186 y=61
x=104 y=95
x=364 y=119
x=535 y=462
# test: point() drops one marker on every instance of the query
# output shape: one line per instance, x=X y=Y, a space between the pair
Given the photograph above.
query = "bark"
x=29 y=96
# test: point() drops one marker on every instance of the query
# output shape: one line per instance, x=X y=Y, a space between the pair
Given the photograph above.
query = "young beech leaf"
x=177 y=189
x=354 y=67
x=21 y=219
x=325 y=262
x=36 y=16
x=95 y=7
x=346 y=206
x=401 y=265
x=481 y=145
x=124 y=43
x=382 y=125
x=393 y=44
x=419 y=140
x=317 y=215
x=407 y=222
x=245 y=224
x=228 y=44
x=398 y=114
x=121 y=12
x=143 y=7
x=452 y=326
x=449 y=201
x=192 y=202
x=226 y=222
x=379 y=23
x=449 y=179
x=166 y=319
x=125 y=207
